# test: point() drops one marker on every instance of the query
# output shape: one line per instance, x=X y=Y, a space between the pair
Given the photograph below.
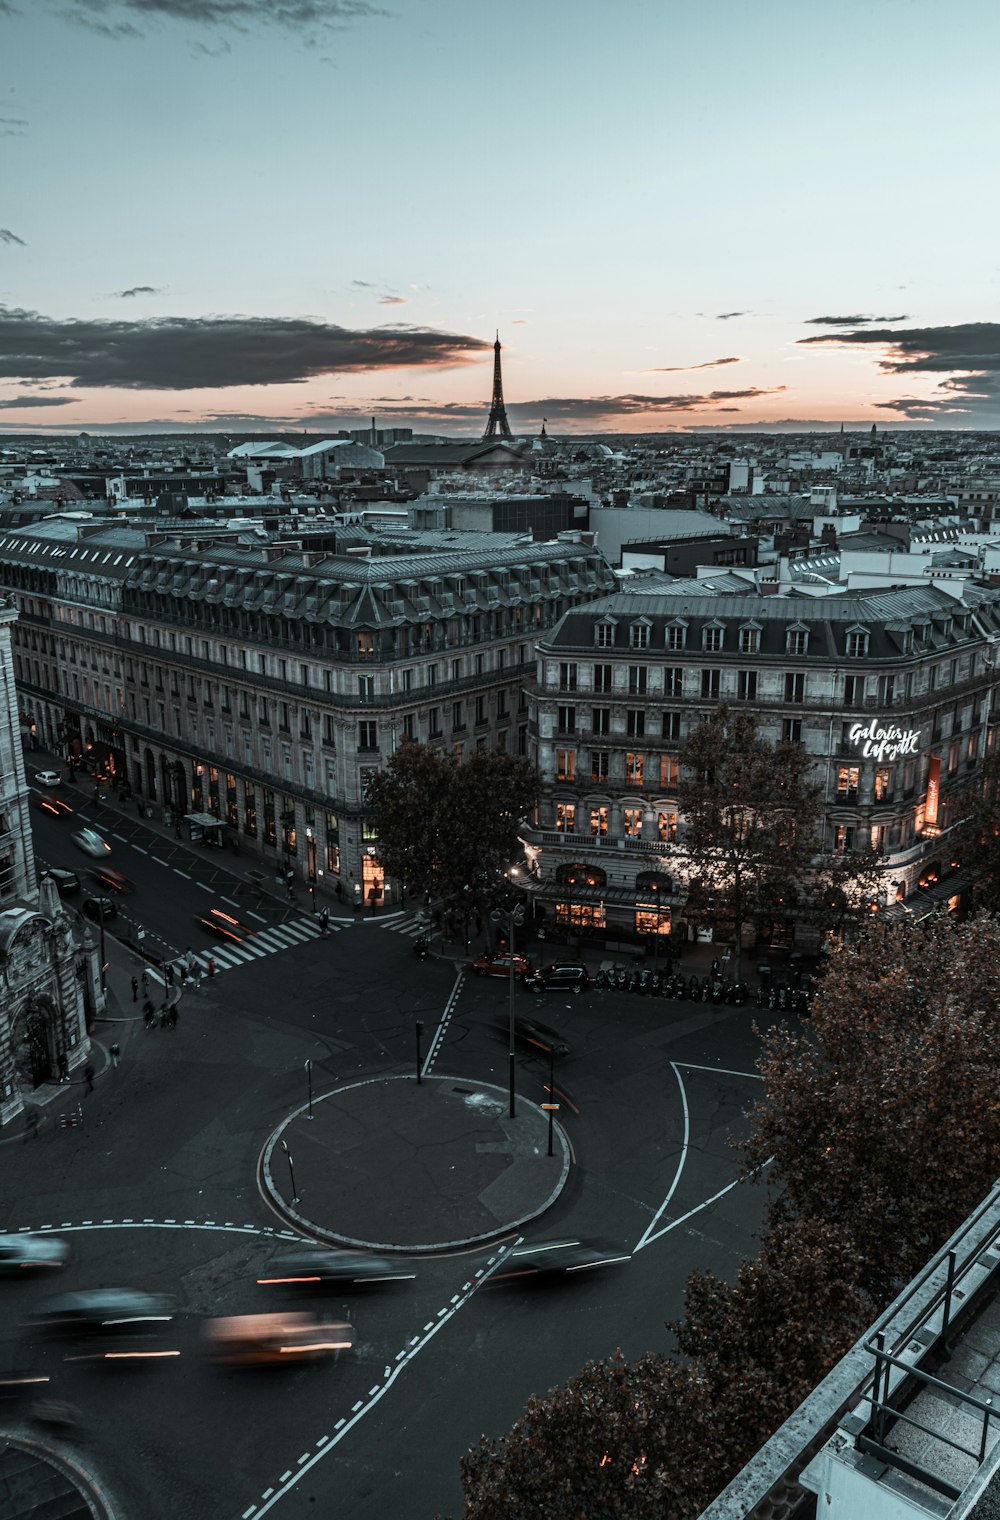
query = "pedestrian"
x=211 y=965
x=192 y=961
x=88 y=1077
x=63 y=1066
x=340 y=890
x=324 y=922
x=31 y=1124
x=291 y=891
x=135 y=989
x=183 y=970
x=168 y=972
x=115 y=1053
x=145 y=983
x=172 y=1016
x=196 y=976
x=148 y=1014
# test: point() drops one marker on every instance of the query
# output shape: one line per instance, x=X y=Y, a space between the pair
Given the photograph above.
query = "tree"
x=883 y=1118
x=975 y=841
x=450 y=830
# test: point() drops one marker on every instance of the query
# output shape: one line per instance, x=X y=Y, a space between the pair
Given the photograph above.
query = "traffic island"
x=390 y=1164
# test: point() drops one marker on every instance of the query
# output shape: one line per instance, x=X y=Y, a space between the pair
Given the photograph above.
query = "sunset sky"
x=278 y=214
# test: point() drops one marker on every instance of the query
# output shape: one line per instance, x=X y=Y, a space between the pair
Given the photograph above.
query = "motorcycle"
x=694 y=990
x=740 y=992
x=421 y=947
x=642 y=983
x=655 y=984
x=621 y=978
x=600 y=980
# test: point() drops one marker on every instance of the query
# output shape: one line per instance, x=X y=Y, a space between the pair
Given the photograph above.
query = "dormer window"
x=750 y=639
x=796 y=639
x=639 y=635
x=857 y=643
x=713 y=637
x=604 y=635
x=676 y=635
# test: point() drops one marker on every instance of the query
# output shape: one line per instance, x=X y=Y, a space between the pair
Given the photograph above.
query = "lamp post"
x=515 y=916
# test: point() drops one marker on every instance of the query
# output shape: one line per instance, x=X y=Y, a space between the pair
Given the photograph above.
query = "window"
x=796 y=641
x=605 y=635
x=749 y=641
x=565 y=817
x=409 y=727
x=601 y=720
x=481 y=715
x=434 y=722
x=600 y=764
x=332 y=845
x=633 y=770
x=795 y=686
x=671 y=725
x=843 y=838
x=567 y=677
x=857 y=643
x=854 y=691
x=710 y=684
x=676 y=636
x=632 y=819
x=367 y=736
x=673 y=681
x=366 y=688
x=602 y=677
x=565 y=764
x=566 y=720
x=668 y=773
x=791 y=731
x=283 y=716
x=639 y=636
x=883 y=784
x=666 y=827
x=891 y=690
x=457 y=716
x=635 y=722
x=712 y=639
x=599 y=820
x=637 y=680
x=746 y=685
x=847 y=783
x=878 y=838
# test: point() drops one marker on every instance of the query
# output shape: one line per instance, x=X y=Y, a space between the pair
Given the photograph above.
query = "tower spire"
x=497 y=425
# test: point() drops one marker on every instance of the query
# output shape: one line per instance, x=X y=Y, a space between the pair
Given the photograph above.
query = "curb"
x=90 y=1490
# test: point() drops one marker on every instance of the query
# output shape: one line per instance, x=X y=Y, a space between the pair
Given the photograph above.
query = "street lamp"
x=515 y=915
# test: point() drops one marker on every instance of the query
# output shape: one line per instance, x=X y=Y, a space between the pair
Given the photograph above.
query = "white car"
x=48 y=778
x=91 y=843
x=31 y=1253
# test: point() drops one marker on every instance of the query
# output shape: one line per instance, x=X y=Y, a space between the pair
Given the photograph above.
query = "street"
x=159 y=1190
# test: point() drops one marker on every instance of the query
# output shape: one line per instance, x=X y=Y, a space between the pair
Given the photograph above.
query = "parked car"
x=31 y=1253
x=98 y=908
x=499 y=965
x=561 y=976
x=91 y=843
x=275 y=1339
x=54 y=806
x=48 y=778
x=67 y=882
x=110 y=876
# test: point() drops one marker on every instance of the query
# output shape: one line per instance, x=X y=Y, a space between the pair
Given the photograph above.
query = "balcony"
x=605 y=843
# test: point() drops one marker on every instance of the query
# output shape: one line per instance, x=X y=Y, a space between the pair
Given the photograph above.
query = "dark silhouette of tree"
x=975 y=840
x=446 y=829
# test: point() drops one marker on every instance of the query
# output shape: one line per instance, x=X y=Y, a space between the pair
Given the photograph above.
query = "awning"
x=204 y=820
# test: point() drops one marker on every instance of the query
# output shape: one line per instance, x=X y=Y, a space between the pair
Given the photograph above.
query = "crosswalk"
x=228 y=955
x=410 y=924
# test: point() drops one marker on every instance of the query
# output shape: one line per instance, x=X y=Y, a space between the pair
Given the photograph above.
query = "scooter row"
x=694 y=989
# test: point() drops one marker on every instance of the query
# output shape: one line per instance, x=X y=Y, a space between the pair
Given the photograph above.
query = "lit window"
x=565 y=765
x=565 y=817
x=633 y=770
x=668 y=773
x=632 y=818
x=599 y=820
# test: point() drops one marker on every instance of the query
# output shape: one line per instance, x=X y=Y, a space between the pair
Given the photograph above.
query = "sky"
x=274 y=215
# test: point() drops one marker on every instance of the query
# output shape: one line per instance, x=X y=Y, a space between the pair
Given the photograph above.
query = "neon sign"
x=887 y=743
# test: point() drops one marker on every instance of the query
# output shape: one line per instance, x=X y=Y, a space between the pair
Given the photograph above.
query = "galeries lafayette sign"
x=888 y=743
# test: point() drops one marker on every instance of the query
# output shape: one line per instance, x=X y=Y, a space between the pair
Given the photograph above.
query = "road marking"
x=259 y=917
x=723 y=1071
x=360 y=1409
x=232 y=903
x=690 y=1213
x=140 y=849
x=178 y=872
x=439 y=1033
x=680 y=1163
x=122 y=838
x=210 y=890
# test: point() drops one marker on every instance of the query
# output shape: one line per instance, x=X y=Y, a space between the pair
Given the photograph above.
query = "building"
x=45 y=978
x=263 y=679
x=890 y=692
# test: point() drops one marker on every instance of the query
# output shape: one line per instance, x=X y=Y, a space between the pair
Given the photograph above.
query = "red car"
x=54 y=805
x=499 y=965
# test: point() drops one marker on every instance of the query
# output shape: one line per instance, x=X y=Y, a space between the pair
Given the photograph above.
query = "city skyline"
x=241 y=215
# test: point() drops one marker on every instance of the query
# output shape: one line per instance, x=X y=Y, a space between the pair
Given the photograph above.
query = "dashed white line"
x=178 y=872
x=140 y=849
x=204 y=888
x=248 y=1512
x=232 y=903
x=354 y=1408
x=285 y=1476
x=339 y=1424
x=304 y=1457
x=258 y=916
x=120 y=837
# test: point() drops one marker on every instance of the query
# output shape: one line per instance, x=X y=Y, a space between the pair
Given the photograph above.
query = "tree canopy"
x=975 y=843
x=446 y=829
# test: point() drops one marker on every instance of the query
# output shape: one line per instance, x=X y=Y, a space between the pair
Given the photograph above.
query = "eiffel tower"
x=497 y=426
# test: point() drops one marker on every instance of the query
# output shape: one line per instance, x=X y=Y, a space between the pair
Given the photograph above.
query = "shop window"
x=581 y=915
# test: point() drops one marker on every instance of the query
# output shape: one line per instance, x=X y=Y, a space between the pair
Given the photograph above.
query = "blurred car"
x=31 y=1253
x=54 y=806
x=91 y=843
x=48 y=778
x=98 y=908
x=224 y=924
x=274 y=1339
x=561 y=976
x=122 y=1322
x=547 y=1259
x=500 y=964
x=110 y=876
x=532 y=1032
x=67 y=882
x=345 y=1268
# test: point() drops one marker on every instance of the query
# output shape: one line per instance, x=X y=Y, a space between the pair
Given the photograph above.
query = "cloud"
x=393 y=301
x=138 y=290
x=519 y=322
x=966 y=357
x=125 y=18
x=680 y=369
x=207 y=353
x=12 y=126
x=725 y=316
x=365 y=284
x=27 y=401
x=6 y=236
x=853 y=321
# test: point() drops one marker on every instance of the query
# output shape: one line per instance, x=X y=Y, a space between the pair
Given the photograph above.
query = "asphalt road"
x=655 y=1090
